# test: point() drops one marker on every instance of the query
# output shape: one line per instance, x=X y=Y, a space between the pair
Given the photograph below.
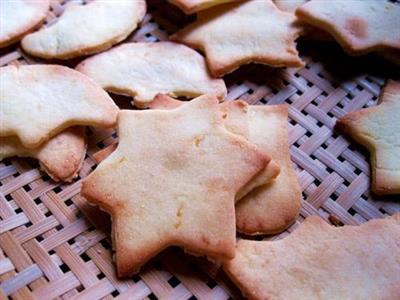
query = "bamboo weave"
x=54 y=245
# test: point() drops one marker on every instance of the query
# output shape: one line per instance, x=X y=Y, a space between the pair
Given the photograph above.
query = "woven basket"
x=54 y=245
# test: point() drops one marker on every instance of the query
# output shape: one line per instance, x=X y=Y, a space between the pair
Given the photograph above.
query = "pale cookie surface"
x=320 y=261
x=359 y=26
x=271 y=208
x=18 y=17
x=39 y=101
x=241 y=119
x=61 y=157
x=86 y=29
x=235 y=34
x=172 y=181
x=309 y=31
x=289 y=5
x=378 y=129
x=238 y=121
x=142 y=70
x=192 y=6
x=271 y=201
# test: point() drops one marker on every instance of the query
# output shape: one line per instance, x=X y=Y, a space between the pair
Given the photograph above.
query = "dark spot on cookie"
x=357 y=27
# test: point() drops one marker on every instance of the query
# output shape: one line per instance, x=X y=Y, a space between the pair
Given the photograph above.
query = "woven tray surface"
x=54 y=245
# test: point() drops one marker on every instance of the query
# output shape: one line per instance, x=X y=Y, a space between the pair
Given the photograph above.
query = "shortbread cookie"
x=359 y=26
x=61 y=157
x=19 y=17
x=242 y=119
x=172 y=181
x=378 y=129
x=235 y=34
x=271 y=208
x=142 y=70
x=266 y=206
x=238 y=120
x=320 y=261
x=309 y=32
x=86 y=29
x=192 y=6
x=39 y=101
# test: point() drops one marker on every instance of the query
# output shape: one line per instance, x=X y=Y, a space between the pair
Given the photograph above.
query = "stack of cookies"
x=194 y=173
x=44 y=109
x=179 y=169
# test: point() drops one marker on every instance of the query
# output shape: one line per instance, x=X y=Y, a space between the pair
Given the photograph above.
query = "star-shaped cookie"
x=320 y=261
x=378 y=129
x=359 y=26
x=172 y=181
x=270 y=202
x=239 y=120
x=235 y=34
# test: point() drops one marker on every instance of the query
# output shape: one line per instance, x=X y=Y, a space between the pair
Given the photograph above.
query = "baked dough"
x=61 y=157
x=172 y=181
x=18 y=17
x=378 y=129
x=142 y=70
x=358 y=26
x=320 y=261
x=235 y=34
x=86 y=29
x=39 y=101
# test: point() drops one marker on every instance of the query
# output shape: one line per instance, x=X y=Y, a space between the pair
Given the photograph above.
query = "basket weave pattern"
x=54 y=245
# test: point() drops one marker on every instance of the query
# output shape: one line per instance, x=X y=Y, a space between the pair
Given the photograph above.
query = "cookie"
x=19 y=17
x=358 y=26
x=271 y=208
x=142 y=70
x=243 y=119
x=235 y=34
x=308 y=31
x=192 y=6
x=39 y=101
x=271 y=201
x=238 y=120
x=172 y=181
x=61 y=157
x=86 y=29
x=378 y=129
x=320 y=261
